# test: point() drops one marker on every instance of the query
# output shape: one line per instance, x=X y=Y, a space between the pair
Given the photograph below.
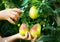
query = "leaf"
x=45 y=38
x=8 y=4
x=24 y=2
x=57 y=10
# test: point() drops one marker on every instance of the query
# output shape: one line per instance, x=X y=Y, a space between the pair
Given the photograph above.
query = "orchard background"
x=49 y=18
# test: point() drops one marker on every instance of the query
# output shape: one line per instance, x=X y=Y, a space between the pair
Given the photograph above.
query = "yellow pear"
x=33 y=12
x=35 y=30
x=23 y=29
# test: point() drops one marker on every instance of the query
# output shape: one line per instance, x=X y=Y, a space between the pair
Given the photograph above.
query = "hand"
x=26 y=37
x=10 y=15
x=17 y=36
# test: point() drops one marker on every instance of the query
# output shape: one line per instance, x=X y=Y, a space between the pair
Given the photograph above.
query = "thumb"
x=29 y=38
x=34 y=39
x=11 y=21
x=24 y=37
x=17 y=10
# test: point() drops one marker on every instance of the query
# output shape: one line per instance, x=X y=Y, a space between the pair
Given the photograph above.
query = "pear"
x=35 y=30
x=23 y=29
x=33 y=12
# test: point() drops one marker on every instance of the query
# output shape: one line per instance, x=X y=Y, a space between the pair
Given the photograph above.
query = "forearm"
x=9 y=39
x=1 y=39
x=0 y=15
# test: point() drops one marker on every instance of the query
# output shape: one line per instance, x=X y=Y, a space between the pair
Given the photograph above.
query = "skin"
x=11 y=15
x=14 y=37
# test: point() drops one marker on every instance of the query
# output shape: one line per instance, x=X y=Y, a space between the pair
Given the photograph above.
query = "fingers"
x=10 y=15
x=29 y=38
x=33 y=40
x=17 y=15
x=14 y=15
x=24 y=37
x=11 y=21
x=17 y=10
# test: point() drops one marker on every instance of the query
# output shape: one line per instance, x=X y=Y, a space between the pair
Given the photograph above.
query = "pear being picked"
x=23 y=29
x=36 y=30
x=33 y=12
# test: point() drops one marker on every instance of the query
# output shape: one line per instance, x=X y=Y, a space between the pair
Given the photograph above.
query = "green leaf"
x=57 y=10
x=45 y=38
x=24 y=2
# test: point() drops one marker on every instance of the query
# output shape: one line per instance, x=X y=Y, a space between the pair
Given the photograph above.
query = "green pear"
x=35 y=30
x=23 y=29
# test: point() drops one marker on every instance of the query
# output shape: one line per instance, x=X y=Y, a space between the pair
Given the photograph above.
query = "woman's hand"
x=16 y=36
x=26 y=37
x=10 y=15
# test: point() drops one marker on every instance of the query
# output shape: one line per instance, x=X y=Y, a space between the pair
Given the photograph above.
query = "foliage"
x=48 y=10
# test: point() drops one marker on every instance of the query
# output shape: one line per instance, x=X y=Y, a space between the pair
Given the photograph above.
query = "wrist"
x=2 y=39
x=1 y=15
x=18 y=36
x=11 y=38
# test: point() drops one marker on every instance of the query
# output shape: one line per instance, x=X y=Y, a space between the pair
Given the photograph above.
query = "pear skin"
x=35 y=30
x=23 y=29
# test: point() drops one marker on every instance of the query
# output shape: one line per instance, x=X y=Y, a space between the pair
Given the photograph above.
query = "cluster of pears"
x=34 y=31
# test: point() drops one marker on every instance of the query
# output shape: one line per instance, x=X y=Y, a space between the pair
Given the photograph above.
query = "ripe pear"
x=23 y=29
x=35 y=30
x=33 y=12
